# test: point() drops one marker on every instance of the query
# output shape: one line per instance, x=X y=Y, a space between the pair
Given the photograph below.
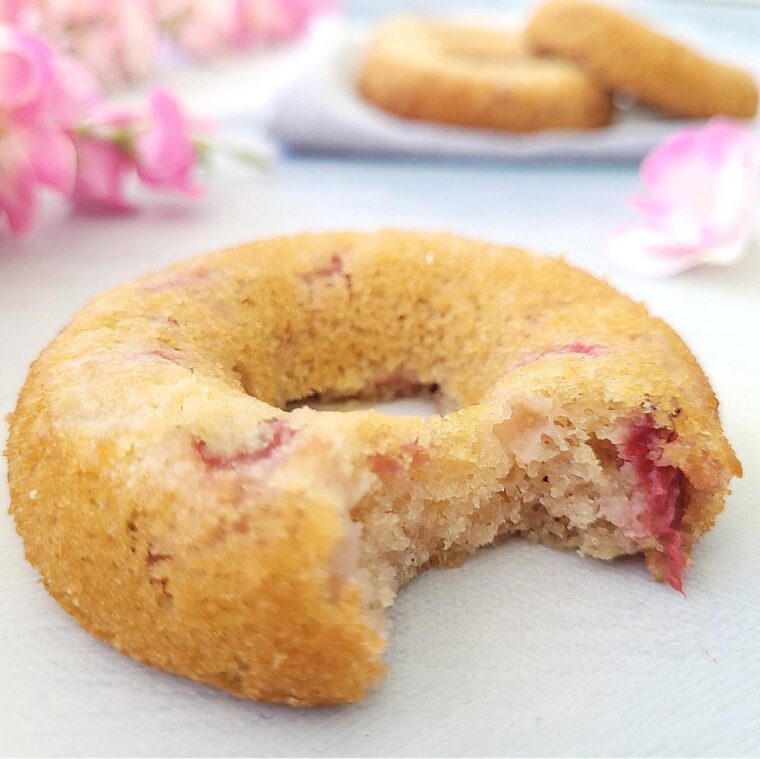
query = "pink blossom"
x=138 y=37
x=699 y=202
x=101 y=172
x=197 y=26
x=74 y=92
x=34 y=148
x=117 y=142
x=26 y=69
x=10 y=10
x=56 y=131
x=205 y=28
x=18 y=186
x=116 y=39
x=273 y=20
x=122 y=40
x=165 y=154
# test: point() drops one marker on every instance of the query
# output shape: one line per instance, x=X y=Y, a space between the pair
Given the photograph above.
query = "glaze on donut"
x=622 y=54
x=178 y=511
x=476 y=77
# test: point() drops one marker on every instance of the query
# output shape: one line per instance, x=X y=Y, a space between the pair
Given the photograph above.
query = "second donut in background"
x=560 y=73
x=476 y=77
x=624 y=55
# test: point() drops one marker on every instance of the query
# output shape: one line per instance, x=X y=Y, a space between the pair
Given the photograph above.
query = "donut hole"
x=423 y=405
x=397 y=393
x=475 y=352
x=355 y=334
x=476 y=444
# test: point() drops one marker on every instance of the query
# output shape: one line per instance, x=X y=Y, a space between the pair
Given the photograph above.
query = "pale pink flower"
x=116 y=39
x=56 y=130
x=204 y=28
x=122 y=40
x=73 y=93
x=165 y=155
x=47 y=85
x=34 y=148
x=117 y=142
x=273 y=20
x=101 y=172
x=197 y=26
x=18 y=186
x=26 y=69
x=51 y=155
x=700 y=201
x=138 y=38
x=11 y=10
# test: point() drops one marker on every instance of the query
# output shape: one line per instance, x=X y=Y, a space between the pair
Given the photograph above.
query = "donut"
x=476 y=77
x=622 y=54
x=181 y=502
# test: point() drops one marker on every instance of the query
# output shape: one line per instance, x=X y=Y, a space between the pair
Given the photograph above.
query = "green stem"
x=123 y=138
x=207 y=147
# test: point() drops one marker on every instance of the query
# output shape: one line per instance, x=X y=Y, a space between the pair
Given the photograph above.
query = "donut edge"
x=643 y=62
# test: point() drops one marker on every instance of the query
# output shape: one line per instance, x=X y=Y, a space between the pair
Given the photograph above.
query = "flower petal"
x=25 y=68
x=166 y=156
x=53 y=158
x=75 y=93
x=101 y=172
x=18 y=186
x=699 y=203
x=10 y=10
x=137 y=38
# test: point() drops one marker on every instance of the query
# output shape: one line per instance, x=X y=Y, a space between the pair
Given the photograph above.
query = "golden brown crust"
x=230 y=601
x=476 y=77
x=620 y=53
x=169 y=514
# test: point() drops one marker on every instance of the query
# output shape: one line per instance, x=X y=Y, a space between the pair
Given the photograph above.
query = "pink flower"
x=197 y=26
x=26 y=70
x=699 y=204
x=101 y=172
x=115 y=143
x=121 y=40
x=10 y=10
x=57 y=132
x=116 y=39
x=34 y=148
x=273 y=20
x=138 y=37
x=165 y=154
x=204 y=28
x=75 y=92
x=18 y=186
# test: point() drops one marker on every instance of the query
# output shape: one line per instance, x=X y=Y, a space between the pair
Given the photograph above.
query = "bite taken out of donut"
x=476 y=77
x=175 y=506
x=622 y=54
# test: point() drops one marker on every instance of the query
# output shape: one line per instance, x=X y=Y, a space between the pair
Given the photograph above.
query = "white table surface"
x=522 y=651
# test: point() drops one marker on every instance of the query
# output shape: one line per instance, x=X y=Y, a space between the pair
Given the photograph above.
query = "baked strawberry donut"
x=622 y=54
x=177 y=509
x=476 y=77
